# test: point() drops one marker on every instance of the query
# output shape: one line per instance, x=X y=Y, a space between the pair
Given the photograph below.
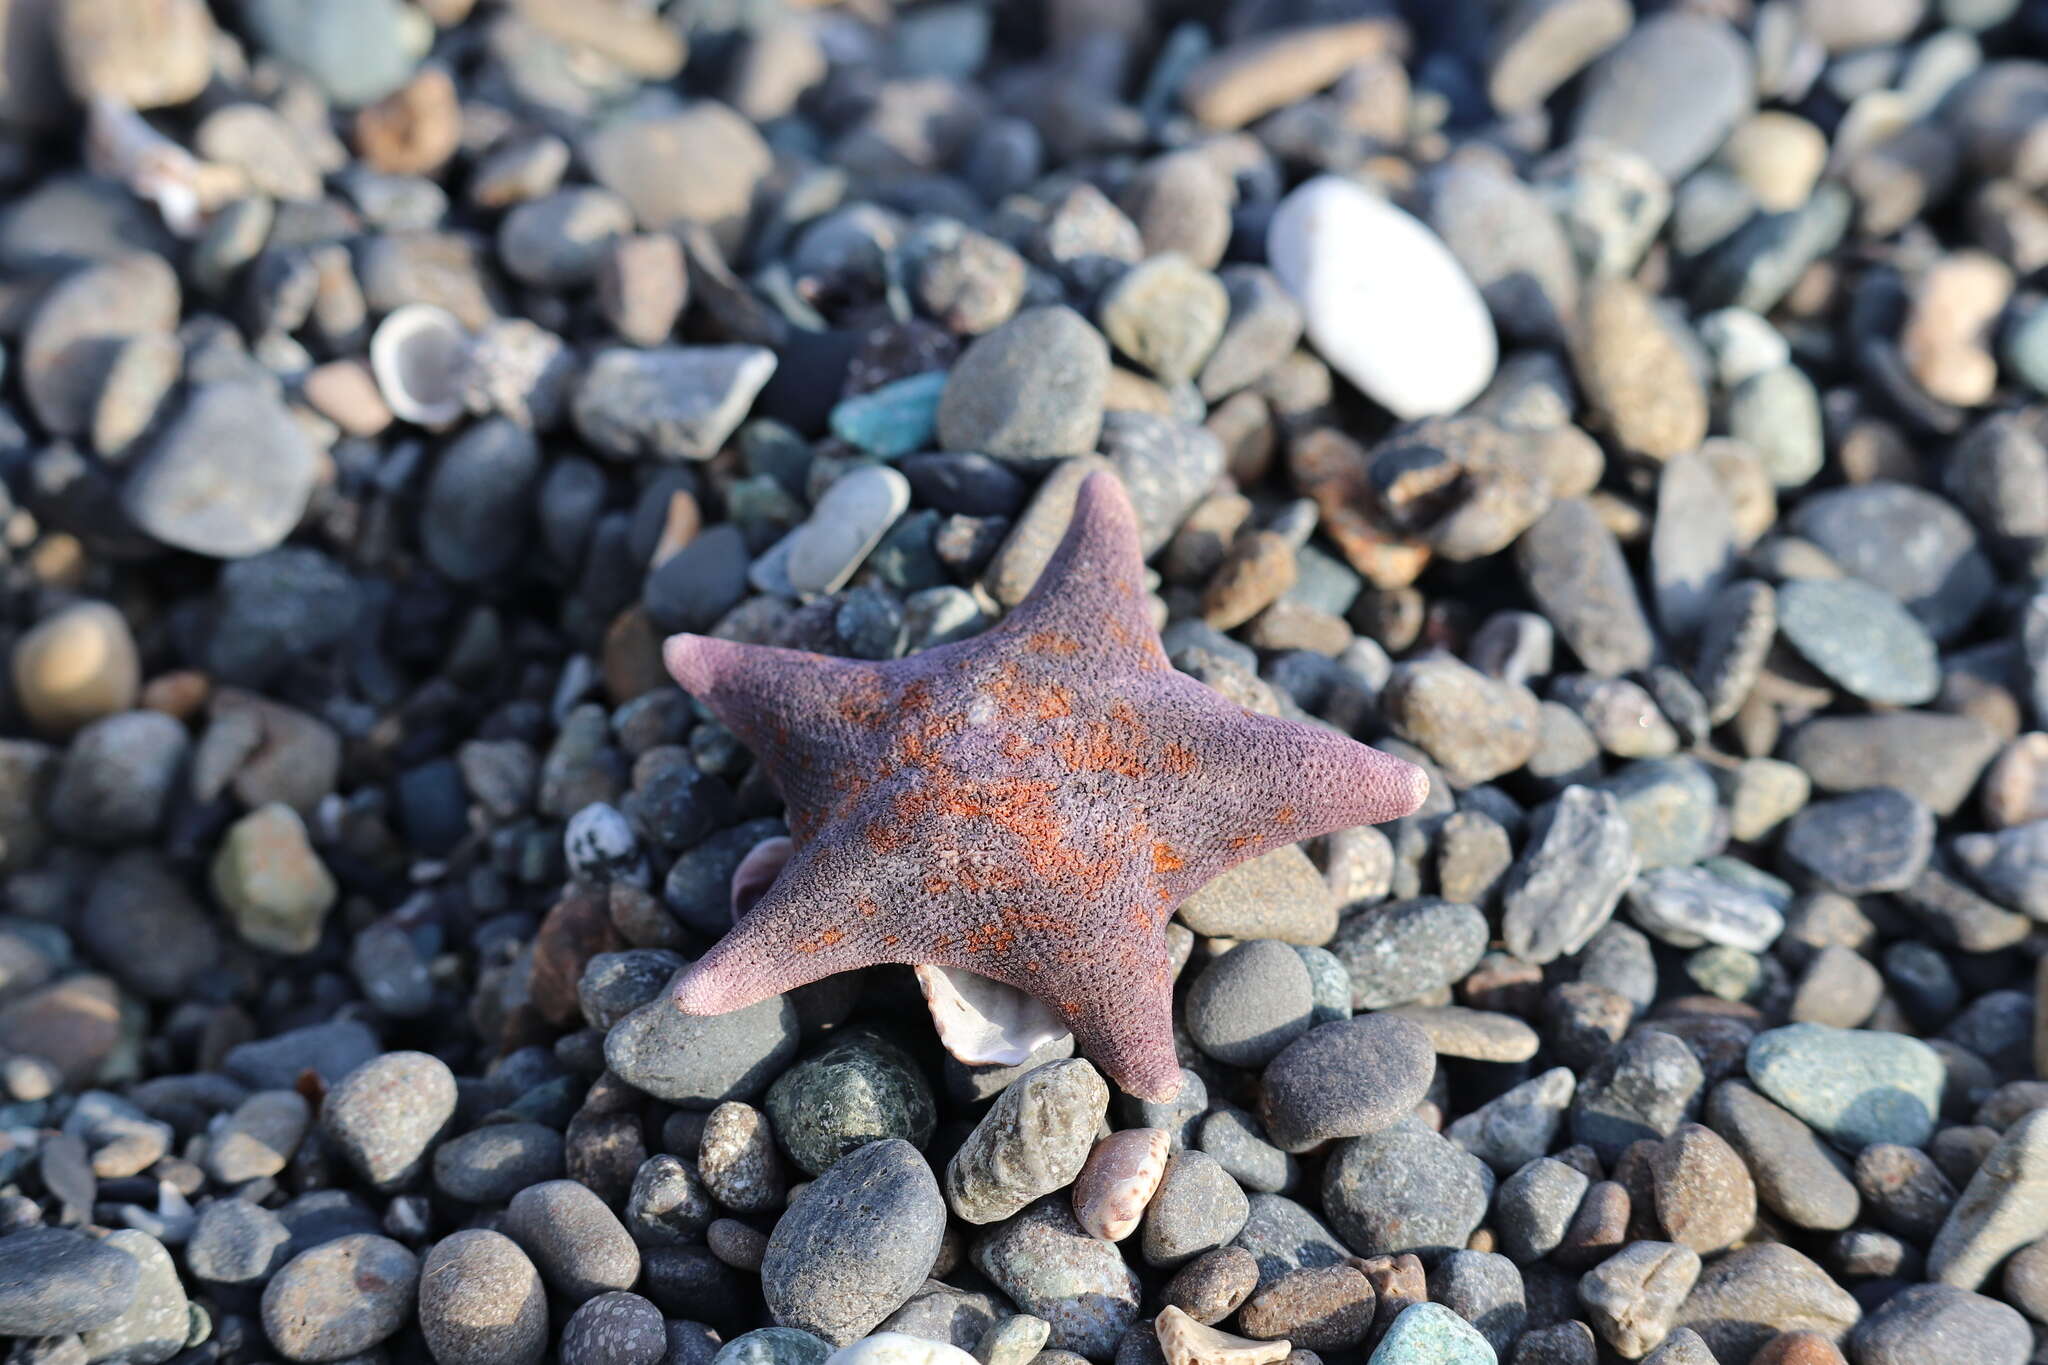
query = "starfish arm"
x=1091 y=595
x=1257 y=782
x=809 y=925
x=809 y=718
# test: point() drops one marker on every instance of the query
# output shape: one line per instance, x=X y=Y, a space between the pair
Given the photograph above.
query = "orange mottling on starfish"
x=1031 y=804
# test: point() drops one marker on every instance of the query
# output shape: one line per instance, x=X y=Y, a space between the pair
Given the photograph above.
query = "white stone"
x=899 y=1348
x=983 y=1022
x=600 y=846
x=1386 y=304
x=1743 y=345
x=847 y=524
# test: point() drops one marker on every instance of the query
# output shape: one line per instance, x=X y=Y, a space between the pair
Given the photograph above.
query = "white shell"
x=982 y=1021
x=1187 y=1342
x=1118 y=1180
x=898 y=1348
x=121 y=145
x=418 y=355
x=757 y=872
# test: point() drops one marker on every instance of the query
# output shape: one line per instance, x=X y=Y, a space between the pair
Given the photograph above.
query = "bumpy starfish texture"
x=1030 y=804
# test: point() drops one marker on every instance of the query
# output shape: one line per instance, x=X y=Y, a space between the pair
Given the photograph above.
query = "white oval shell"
x=1118 y=1180
x=418 y=355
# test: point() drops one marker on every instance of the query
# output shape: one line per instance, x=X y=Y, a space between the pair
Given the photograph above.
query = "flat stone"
x=1854 y=1086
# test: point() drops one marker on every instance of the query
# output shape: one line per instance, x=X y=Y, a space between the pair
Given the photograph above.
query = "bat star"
x=1030 y=804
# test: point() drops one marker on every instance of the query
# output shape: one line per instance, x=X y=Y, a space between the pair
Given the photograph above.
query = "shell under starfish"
x=981 y=1022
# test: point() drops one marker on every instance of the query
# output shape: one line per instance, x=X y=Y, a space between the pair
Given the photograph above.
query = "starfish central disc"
x=1030 y=804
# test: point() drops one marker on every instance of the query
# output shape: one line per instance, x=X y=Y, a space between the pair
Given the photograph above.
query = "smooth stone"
x=1744 y=1299
x=75 y=666
x=1355 y=262
x=481 y=1301
x=895 y=1348
x=340 y=1298
x=670 y=403
x=1861 y=638
x=1854 y=1086
x=2004 y=1207
x=899 y=418
x=1671 y=91
x=154 y=1326
x=1519 y=1126
x=1035 y=1139
x=55 y=1281
x=1928 y=1321
x=1573 y=567
x=1032 y=387
x=385 y=1116
x=697 y=1062
x=1431 y=1334
x=1406 y=950
x=1798 y=1176
x=1873 y=840
x=1908 y=542
x=844 y=528
x=1279 y=895
x=1405 y=1189
x=856 y=1244
x=1167 y=314
x=1688 y=907
x=1250 y=1003
x=1054 y=1270
x=577 y=1243
x=1579 y=859
x=229 y=477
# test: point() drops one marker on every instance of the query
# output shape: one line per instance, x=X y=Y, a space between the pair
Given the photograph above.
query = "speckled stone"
x=481 y=1302
x=1431 y=1334
x=1345 y=1079
x=860 y=1090
x=1405 y=1189
x=856 y=1243
x=1032 y=1141
x=1052 y=1269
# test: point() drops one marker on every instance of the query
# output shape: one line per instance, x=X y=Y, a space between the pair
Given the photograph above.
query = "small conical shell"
x=1187 y=1342
x=982 y=1021
x=1118 y=1180
x=418 y=355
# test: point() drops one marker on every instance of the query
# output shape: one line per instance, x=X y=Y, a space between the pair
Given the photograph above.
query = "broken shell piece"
x=984 y=1022
x=121 y=145
x=1118 y=1180
x=757 y=872
x=1187 y=1342
x=897 y=1348
x=419 y=355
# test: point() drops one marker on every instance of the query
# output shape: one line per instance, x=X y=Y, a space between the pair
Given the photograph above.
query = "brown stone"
x=1254 y=77
x=577 y=928
x=413 y=130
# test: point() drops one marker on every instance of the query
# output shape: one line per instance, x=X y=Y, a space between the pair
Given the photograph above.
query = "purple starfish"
x=1030 y=804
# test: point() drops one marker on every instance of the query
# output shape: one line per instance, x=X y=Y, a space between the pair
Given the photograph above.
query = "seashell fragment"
x=1187 y=1342
x=981 y=1021
x=419 y=355
x=757 y=872
x=1118 y=1180
x=121 y=145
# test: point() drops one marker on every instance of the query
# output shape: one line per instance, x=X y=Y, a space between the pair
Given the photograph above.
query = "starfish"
x=1030 y=804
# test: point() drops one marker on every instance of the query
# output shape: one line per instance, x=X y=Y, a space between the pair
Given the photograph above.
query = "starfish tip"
x=687 y=661
x=699 y=993
x=1409 y=788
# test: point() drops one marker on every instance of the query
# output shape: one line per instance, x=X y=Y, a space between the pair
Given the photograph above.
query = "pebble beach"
x=1633 y=416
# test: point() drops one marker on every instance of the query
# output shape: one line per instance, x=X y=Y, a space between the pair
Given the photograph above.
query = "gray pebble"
x=856 y=1243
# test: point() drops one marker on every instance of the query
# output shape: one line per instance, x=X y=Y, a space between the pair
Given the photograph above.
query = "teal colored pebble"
x=1431 y=1334
x=896 y=419
x=1854 y=1086
x=774 y=1346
